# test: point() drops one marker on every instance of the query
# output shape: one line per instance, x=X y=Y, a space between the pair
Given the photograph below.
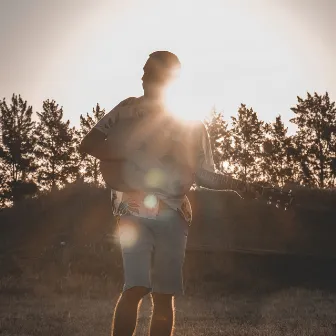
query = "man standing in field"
x=153 y=227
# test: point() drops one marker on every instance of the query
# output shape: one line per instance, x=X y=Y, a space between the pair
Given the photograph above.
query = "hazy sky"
x=259 y=52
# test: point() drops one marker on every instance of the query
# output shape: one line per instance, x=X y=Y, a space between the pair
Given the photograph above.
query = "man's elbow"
x=90 y=141
x=84 y=147
x=87 y=146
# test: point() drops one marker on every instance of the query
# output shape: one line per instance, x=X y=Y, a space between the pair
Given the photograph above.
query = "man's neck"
x=157 y=98
x=154 y=101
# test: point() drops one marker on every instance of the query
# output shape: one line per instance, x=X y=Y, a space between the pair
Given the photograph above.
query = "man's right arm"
x=95 y=144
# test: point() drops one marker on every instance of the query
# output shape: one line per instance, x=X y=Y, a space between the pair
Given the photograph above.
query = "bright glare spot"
x=155 y=178
x=150 y=201
x=127 y=235
x=180 y=101
x=225 y=165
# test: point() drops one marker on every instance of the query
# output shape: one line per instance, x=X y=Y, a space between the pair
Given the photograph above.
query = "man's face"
x=154 y=77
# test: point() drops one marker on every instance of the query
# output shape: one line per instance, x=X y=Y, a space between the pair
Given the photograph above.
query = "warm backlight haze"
x=260 y=53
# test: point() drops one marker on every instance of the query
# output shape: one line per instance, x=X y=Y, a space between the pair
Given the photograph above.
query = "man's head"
x=160 y=68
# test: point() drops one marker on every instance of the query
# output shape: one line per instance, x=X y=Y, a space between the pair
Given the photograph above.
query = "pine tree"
x=4 y=185
x=220 y=140
x=90 y=164
x=277 y=163
x=247 y=135
x=17 y=149
x=56 y=148
x=315 y=118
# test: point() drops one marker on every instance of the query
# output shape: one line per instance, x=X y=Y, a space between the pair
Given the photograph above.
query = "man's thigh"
x=153 y=252
x=170 y=239
x=136 y=241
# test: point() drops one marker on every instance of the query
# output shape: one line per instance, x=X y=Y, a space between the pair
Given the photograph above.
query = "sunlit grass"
x=288 y=312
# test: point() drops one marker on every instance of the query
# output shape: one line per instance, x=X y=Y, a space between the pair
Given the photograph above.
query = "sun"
x=180 y=101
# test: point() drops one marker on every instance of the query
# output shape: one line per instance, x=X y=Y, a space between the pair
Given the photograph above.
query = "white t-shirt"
x=144 y=204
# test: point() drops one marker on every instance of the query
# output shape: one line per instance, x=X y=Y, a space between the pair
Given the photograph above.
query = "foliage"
x=220 y=139
x=277 y=163
x=247 y=135
x=90 y=164
x=17 y=149
x=315 y=139
x=45 y=153
x=56 y=148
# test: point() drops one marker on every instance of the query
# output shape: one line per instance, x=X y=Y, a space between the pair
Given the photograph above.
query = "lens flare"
x=155 y=178
x=150 y=201
x=128 y=234
x=180 y=100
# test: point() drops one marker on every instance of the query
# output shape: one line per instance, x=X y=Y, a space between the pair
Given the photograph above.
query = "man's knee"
x=135 y=293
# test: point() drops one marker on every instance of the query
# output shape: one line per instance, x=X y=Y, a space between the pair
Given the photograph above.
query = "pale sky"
x=262 y=53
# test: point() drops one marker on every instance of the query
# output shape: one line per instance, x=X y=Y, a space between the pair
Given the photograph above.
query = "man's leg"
x=136 y=244
x=170 y=232
x=163 y=315
x=126 y=311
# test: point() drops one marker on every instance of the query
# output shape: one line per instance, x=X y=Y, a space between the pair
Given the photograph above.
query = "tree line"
x=254 y=150
x=42 y=155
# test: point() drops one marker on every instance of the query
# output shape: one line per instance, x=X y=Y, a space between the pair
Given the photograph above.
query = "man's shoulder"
x=112 y=116
x=122 y=106
x=197 y=127
x=194 y=124
x=126 y=102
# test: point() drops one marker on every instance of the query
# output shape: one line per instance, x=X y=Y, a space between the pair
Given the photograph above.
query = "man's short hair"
x=162 y=66
x=166 y=59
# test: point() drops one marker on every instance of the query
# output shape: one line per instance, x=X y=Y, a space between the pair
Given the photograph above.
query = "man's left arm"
x=205 y=175
x=218 y=181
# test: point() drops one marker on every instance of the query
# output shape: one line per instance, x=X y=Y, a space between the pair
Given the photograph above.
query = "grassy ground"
x=43 y=289
x=291 y=311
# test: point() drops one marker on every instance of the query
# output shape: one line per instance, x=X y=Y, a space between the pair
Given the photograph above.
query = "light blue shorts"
x=153 y=251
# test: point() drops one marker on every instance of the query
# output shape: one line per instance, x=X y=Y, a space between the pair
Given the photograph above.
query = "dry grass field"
x=84 y=306
x=51 y=289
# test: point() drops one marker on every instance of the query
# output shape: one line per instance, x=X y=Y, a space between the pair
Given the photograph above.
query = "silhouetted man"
x=154 y=226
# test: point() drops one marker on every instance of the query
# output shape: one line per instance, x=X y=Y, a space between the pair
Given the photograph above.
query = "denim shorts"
x=153 y=251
